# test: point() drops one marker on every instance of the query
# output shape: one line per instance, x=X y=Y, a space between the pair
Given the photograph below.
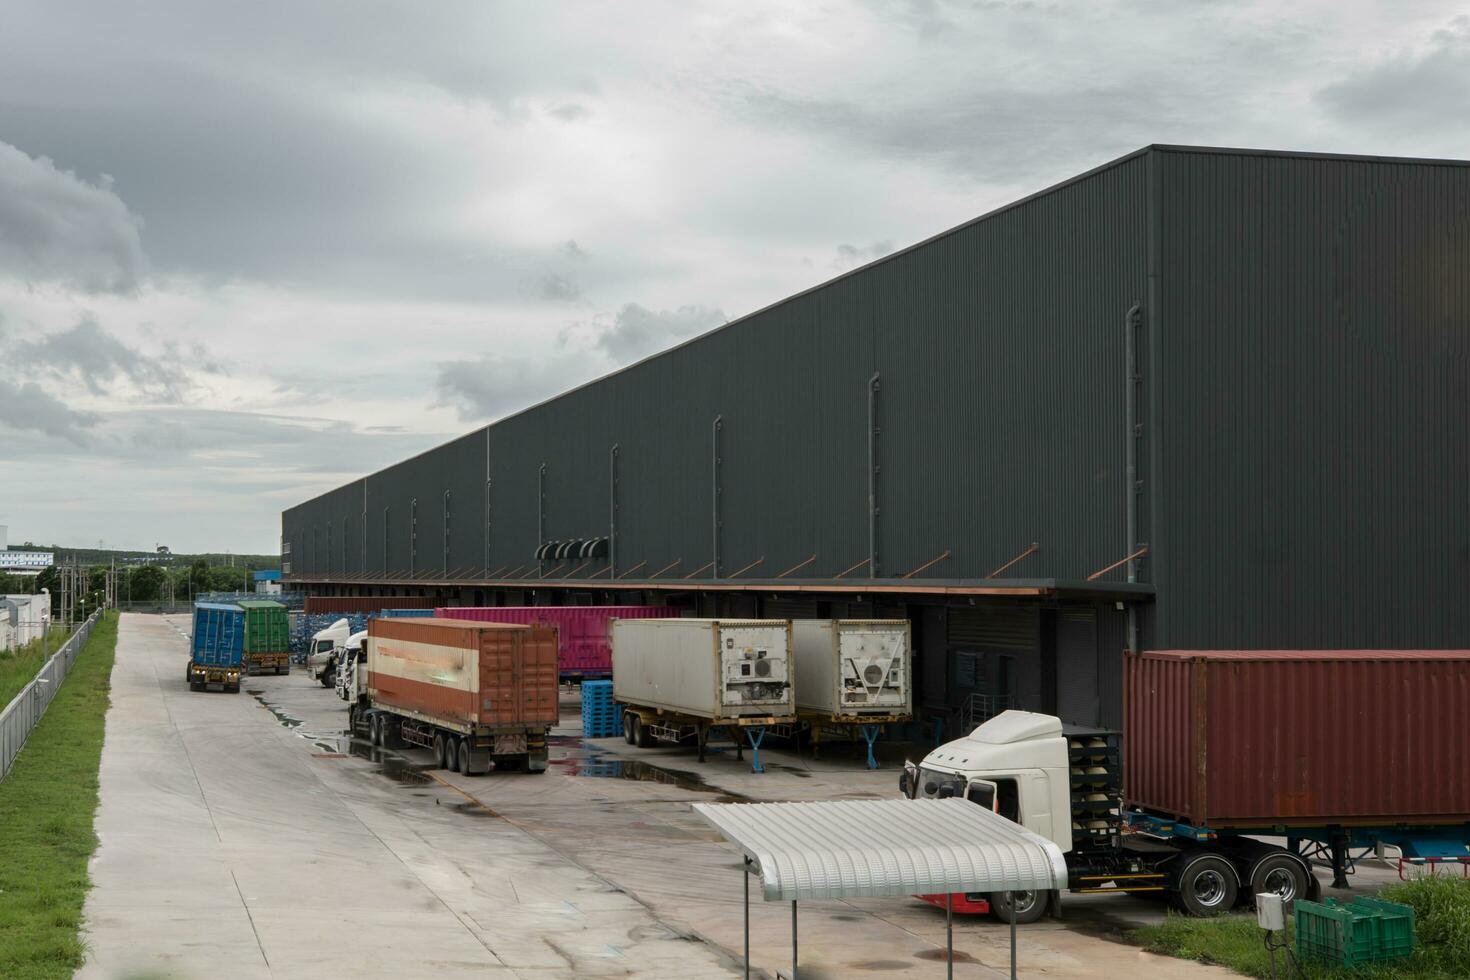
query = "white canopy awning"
x=856 y=848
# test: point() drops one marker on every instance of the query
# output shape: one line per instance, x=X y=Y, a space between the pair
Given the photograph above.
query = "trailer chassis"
x=644 y=725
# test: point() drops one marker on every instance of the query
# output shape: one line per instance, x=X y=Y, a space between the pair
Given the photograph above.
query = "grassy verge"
x=46 y=808
x=17 y=667
x=1442 y=918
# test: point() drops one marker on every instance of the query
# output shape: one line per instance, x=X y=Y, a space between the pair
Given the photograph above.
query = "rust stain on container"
x=1305 y=737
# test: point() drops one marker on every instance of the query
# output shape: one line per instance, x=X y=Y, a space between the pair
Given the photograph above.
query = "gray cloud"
x=571 y=112
x=637 y=331
x=94 y=357
x=493 y=385
x=572 y=250
x=55 y=226
x=1410 y=90
x=28 y=407
x=560 y=289
x=850 y=256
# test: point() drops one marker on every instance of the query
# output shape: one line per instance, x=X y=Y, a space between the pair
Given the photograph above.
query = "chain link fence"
x=25 y=710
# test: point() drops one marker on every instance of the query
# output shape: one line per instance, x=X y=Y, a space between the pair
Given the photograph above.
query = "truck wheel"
x=451 y=748
x=641 y=737
x=327 y=678
x=462 y=762
x=375 y=730
x=1207 y=886
x=1279 y=874
x=628 y=717
x=1030 y=906
x=441 y=758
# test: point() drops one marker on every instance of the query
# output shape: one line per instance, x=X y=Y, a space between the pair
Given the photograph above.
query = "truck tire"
x=641 y=737
x=462 y=762
x=628 y=717
x=328 y=678
x=441 y=758
x=1207 y=885
x=1030 y=906
x=451 y=749
x=1280 y=874
x=375 y=730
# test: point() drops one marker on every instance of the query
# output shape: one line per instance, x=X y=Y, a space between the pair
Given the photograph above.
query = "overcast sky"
x=250 y=251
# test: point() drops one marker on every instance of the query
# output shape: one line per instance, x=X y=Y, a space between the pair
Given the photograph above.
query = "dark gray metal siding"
x=1314 y=339
x=999 y=347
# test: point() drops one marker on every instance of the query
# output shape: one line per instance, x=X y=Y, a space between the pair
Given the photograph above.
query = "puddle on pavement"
x=941 y=956
x=583 y=761
x=474 y=809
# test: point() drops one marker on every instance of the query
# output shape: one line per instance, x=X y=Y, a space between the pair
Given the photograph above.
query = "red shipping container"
x=586 y=650
x=462 y=672
x=364 y=603
x=1262 y=738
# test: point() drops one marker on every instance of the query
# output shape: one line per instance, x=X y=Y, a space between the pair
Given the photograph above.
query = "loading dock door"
x=1077 y=680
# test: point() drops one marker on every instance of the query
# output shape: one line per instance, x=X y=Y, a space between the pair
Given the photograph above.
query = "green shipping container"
x=267 y=629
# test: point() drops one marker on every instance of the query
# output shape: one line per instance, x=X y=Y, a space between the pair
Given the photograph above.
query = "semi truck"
x=585 y=647
x=480 y=696
x=216 y=647
x=1236 y=773
x=679 y=678
x=852 y=677
x=267 y=637
x=321 y=654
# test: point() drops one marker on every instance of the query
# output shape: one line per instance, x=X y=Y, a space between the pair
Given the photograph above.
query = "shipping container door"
x=1077 y=679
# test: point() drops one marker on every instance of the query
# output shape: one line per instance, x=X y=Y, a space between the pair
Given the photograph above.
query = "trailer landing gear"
x=756 y=734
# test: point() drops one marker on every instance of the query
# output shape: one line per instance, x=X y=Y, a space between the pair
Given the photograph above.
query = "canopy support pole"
x=949 y=935
x=793 y=939
x=745 y=877
x=1011 y=901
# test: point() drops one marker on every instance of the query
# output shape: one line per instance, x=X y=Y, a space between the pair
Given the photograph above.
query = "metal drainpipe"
x=540 y=519
x=1134 y=383
x=716 y=426
x=873 y=385
x=612 y=512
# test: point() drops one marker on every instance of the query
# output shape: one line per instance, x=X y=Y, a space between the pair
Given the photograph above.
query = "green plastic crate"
x=1366 y=930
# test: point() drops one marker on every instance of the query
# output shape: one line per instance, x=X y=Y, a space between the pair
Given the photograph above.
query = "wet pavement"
x=248 y=835
x=311 y=853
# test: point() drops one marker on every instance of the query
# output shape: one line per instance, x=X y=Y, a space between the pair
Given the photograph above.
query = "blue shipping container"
x=413 y=613
x=219 y=634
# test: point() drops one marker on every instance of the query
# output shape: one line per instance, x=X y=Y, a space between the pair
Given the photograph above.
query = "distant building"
x=22 y=562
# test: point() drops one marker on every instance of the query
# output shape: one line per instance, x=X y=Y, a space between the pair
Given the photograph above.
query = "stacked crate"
x=1097 y=789
x=601 y=716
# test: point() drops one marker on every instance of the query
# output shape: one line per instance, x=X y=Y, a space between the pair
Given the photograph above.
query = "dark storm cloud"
x=1410 y=90
x=57 y=227
x=637 y=331
x=30 y=408
x=88 y=354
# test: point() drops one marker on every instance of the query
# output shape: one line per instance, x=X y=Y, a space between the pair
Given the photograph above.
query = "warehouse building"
x=1194 y=398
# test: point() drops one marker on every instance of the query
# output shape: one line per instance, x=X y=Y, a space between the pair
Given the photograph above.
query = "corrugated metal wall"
x=998 y=348
x=1314 y=340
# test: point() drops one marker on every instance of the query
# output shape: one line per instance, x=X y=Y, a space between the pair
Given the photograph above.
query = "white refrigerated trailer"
x=679 y=678
x=853 y=676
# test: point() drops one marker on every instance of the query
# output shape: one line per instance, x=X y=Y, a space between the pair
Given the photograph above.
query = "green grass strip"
x=1441 y=908
x=18 y=667
x=46 y=808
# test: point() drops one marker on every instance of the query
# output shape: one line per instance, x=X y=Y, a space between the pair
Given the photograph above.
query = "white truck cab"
x=321 y=656
x=352 y=667
x=1015 y=764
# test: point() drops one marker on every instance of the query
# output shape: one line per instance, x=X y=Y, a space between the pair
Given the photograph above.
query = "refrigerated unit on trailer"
x=853 y=676
x=267 y=637
x=586 y=648
x=216 y=647
x=480 y=695
x=679 y=678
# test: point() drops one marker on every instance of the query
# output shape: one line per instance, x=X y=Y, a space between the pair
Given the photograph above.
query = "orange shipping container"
x=490 y=675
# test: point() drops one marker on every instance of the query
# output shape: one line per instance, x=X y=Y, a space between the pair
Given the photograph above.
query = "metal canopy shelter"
x=875 y=848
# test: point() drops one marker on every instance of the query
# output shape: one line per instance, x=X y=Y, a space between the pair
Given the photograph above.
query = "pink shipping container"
x=586 y=651
x=1281 y=738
